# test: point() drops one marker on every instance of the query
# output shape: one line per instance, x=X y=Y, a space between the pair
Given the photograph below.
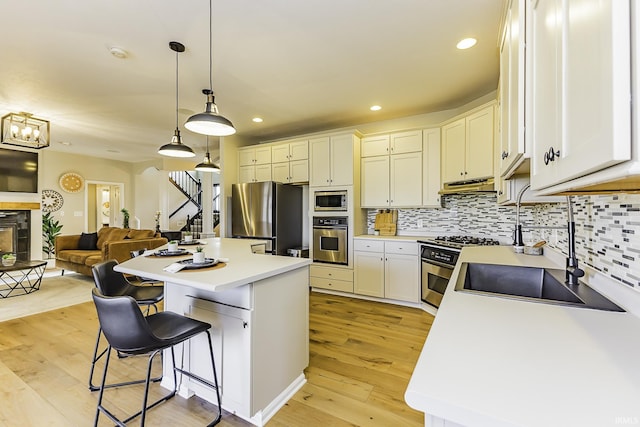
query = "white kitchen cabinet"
x=394 y=143
x=331 y=160
x=431 y=181
x=290 y=172
x=256 y=173
x=394 y=179
x=290 y=151
x=578 y=98
x=513 y=148
x=387 y=269
x=331 y=278
x=467 y=146
x=254 y=155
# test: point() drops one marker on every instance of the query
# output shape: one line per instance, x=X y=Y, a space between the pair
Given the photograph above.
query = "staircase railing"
x=191 y=188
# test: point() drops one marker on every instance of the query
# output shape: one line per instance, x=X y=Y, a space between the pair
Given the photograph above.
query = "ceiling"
x=302 y=66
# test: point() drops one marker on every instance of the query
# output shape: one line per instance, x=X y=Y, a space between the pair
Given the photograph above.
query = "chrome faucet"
x=573 y=272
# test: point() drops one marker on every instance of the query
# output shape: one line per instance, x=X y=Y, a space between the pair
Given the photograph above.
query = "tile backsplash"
x=607 y=227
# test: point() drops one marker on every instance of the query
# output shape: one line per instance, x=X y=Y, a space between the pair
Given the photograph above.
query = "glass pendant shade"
x=210 y=122
x=176 y=148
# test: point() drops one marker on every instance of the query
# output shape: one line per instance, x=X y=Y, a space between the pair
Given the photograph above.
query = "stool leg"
x=215 y=382
x=94 y=359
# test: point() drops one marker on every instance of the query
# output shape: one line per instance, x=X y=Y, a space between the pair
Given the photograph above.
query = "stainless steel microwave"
x=330 y=201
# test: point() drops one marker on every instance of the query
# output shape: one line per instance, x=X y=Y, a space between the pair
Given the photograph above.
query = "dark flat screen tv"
x=18 y=171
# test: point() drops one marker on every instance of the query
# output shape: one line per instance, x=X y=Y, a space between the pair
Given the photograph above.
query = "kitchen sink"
x=543 y=285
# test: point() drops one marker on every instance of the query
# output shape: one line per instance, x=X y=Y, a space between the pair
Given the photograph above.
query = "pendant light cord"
x=211 y=45
x=177 y=88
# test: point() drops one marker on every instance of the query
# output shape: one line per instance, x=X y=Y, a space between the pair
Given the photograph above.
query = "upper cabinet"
x=255 y=164
x=431 y=182
x=467 y=146
x=513 y=148
x=332 y=160
x=579 y=95
x=391 y=170
x=290 y=162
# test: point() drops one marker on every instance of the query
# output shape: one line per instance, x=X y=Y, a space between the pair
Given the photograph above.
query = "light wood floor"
x=361 y=358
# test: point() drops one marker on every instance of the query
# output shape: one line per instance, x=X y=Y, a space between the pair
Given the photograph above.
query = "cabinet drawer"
x=335 y=285
x=404 y=248
x=331 y=273
x=368 y=245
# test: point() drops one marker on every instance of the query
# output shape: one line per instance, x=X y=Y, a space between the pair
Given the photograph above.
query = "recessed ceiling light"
x=466 y=43
x=118 y=52
x=375 y=108
x=257 y=119
x=65 y=143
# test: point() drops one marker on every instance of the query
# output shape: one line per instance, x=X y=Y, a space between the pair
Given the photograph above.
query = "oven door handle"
x=438 y=263
x=330 y=227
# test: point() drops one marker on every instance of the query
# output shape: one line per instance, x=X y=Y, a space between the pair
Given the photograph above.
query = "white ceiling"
x=303 y=66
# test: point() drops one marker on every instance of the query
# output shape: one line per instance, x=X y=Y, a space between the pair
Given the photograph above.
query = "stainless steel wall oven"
x=330 y=236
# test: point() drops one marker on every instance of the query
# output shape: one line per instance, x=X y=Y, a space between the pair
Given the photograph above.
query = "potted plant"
x=172 y=246
x=125 y=218
x=50 y=230
x=198 y=256
x=8 y=259
x=187 y=236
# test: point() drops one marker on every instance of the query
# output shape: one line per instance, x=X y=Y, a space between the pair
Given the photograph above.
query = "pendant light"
x=176 y=148
x=207 y=165
x=210 y=122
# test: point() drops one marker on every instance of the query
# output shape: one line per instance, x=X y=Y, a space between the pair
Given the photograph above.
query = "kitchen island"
x=492 y=361
x=258 y=306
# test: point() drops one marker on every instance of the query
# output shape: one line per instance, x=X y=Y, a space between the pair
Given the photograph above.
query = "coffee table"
x=23 y=277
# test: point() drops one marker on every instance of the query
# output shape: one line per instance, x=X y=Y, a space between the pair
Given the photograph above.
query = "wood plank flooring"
x=362 y=354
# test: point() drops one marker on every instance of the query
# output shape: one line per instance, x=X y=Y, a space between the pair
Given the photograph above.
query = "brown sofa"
x=81 y=251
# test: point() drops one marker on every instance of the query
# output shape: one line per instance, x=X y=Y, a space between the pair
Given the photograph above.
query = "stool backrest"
x=108 y=281
x=123 y=324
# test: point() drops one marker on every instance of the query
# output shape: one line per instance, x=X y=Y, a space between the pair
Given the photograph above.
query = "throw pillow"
x=88 y=241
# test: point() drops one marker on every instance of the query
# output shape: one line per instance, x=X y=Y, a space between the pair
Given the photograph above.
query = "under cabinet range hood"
x=475 y=186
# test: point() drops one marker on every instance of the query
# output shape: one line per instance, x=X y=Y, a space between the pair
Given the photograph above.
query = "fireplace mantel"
x=20 y=205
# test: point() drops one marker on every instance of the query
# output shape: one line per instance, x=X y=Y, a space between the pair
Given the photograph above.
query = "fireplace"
x=15 y=233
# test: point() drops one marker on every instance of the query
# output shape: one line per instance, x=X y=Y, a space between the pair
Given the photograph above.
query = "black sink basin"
x=529 y=284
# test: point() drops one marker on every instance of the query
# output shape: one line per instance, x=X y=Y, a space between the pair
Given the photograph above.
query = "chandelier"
x=24 y=130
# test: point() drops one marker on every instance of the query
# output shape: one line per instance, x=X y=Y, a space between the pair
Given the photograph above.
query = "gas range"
x=460 y=241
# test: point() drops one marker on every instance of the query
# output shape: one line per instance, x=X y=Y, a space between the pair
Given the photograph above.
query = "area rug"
x=55 y=292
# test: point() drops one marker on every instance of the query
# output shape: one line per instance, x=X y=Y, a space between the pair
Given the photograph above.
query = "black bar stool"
x=113 y=283
x=130 y=333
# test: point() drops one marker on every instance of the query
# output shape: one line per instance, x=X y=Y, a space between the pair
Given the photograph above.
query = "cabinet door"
x=320 y=159
x=406 y=142
x=280 y=172
x=406 y=179
x=231 y=338
x=369 y=273
x=263 y=172
x=377 y=145
x=246 y=174
x=342 y=160
x=299 y=171
x=246 y=156
x=453 y=151
x=299 y=150
x=431 y=167
x=280 y=153
x=401 y=277
x=374 y=183
x=263 y=155
x=480 y=144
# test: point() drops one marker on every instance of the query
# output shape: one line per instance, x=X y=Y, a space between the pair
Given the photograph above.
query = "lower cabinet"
x=332 y=278
x=387 y=269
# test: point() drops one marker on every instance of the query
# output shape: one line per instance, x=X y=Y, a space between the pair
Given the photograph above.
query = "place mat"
x=197 y=267
x=193 y=242
x=166 y=253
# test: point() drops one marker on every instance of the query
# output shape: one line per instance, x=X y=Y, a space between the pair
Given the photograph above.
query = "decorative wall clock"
x=71 y=182
x=51 y=200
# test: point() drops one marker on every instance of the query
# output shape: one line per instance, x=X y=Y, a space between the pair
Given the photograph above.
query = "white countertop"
x=242 y=267
x=492 y=361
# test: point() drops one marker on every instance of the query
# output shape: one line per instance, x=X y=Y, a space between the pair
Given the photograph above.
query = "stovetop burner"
x=460 y=241
x=468 y=240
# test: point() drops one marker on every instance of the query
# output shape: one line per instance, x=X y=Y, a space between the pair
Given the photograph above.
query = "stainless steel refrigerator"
x=268 y=211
